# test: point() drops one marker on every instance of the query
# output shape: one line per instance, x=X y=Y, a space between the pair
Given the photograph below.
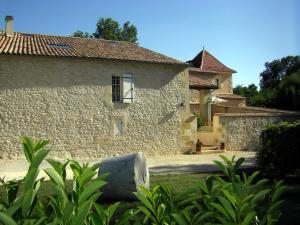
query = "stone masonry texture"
x=68 y=101
x=242 y=131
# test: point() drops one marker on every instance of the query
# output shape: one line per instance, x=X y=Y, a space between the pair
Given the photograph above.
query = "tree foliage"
x=110 y=29
x=279 y=85
x=249 y=92
x=82 y=34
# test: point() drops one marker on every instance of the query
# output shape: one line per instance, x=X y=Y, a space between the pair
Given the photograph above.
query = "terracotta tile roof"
x=230 y=96
x=58 y=46
x=198 y=83
x=208 y=63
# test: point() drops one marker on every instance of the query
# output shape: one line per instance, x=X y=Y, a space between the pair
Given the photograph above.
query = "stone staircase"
x=211 y=149
x=189 y=136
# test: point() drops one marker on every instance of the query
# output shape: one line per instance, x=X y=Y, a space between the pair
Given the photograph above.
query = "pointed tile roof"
x=206 y=62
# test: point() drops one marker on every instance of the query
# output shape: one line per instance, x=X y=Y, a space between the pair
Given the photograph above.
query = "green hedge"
x=280 y=148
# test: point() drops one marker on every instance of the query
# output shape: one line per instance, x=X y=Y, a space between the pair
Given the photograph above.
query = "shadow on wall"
x=166 y=118
x=28 y=72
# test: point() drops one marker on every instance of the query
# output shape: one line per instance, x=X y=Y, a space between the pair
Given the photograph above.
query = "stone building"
x=225 y=116
x=89 y=97
x=95 y=98
x=210 y=83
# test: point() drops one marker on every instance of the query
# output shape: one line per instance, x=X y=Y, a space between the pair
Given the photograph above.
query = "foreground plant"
x=232 y=199
x=19 y=208
x=79 y=207
x=229 y=199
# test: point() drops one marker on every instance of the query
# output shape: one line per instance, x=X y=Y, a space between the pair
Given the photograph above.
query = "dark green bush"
x=199 y=120
x=280 y=148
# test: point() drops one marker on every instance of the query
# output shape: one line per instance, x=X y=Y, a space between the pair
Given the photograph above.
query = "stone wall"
x=68 y=101
x=242 y=131
x=221 y=108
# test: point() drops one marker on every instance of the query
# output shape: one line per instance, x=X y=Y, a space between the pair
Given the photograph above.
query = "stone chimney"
x=9 y=26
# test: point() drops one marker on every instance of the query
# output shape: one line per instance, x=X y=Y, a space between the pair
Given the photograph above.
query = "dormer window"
x=63 y=46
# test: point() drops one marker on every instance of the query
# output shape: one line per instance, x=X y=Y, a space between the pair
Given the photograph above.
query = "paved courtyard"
x=170 y=164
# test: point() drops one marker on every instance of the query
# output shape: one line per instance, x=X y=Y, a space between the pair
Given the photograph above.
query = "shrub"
x=235 y=199
x=199 y=120
x=280 y=148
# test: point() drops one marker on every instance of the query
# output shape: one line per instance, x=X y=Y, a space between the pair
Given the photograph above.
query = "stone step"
x=203 y=151
x=210 y=147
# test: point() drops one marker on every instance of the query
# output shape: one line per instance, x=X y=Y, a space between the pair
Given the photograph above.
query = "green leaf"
x=55 y=177
x=86 y=176
x=144 y=201
x=278 y=193
x=68 y=210
x=179 y=219
x=228 y=207
x=55 y=165
x=230 y=197
x=111 y=211
x=126 y=217
x=83 y=212
x=38 y=157
x=221 y=167
x=103 y=176
x=90 y=189
x=6 y=219
x=226 y=160
x=248 y=219
x=260 y=195
x=30 y=178
x=275 y=207
x=202 y=216
x=40 y=221
x=95 y=166
x=238 y=163
x=100 y=211
x=28 y=148
x=27 y=201
x=146 y=211
x=219 y=208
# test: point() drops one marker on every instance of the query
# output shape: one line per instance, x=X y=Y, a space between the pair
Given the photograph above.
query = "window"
x=118 y=127
x=116 y=89
x=122 y=89
x=63 y=46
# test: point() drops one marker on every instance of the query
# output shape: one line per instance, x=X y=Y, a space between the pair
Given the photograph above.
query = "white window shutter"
x=128 y=87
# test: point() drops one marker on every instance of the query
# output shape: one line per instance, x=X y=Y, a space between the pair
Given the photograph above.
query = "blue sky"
x=242 y=34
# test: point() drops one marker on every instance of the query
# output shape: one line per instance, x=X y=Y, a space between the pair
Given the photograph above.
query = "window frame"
x=113 y=119
x=120 y=97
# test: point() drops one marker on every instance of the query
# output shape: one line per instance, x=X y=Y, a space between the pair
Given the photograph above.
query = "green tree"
x=248 y=92
x=289 y=92
x=129 y=33
x=82 y=34
x=277 y=70
x=109 y=29
x=279 y=83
